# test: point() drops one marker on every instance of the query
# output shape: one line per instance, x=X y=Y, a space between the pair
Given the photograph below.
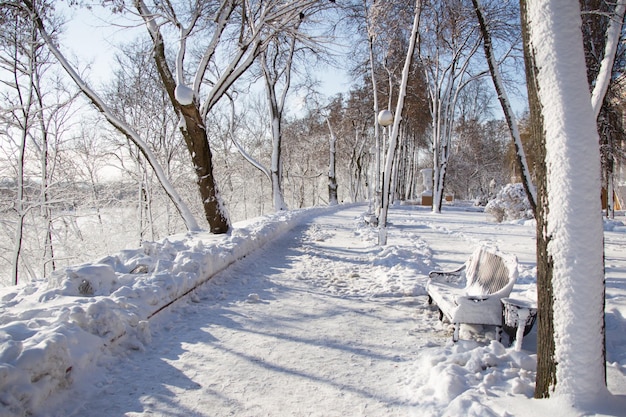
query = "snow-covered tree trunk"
x=332 y=175
x=393 y=138
x=600 y=88
x=276 y=167
x=375 y=182
x=276 y=66
x=442 y=125
x=546 y=367
x=276 y=129
x=570 y=227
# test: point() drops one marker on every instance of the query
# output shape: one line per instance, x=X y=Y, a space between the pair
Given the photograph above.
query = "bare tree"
x=135 y=94
x=248 y=131
x=254 y=26
x=35 y=121
x=276 y=65
x=371 y=37
x=231 y=35
x=38 y=12
x=385 y=29
x=509 y=115
x=479 y=158
x=23 y=59
x=446 y=56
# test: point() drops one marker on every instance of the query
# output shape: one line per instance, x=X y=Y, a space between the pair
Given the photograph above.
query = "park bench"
x=472 y=294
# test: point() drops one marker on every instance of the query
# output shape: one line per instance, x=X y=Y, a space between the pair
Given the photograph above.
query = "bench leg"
x=499 y=333
x=455 y=334
x=430 y=300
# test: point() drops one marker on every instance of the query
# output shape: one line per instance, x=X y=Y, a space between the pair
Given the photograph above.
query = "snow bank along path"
x=50 y=331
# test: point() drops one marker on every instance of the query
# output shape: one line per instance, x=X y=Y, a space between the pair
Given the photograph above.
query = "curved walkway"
x=291 y=330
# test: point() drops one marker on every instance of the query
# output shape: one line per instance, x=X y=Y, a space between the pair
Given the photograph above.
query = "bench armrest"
x=453 y=276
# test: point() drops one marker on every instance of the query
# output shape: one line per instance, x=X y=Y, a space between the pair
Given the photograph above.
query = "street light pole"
x=385 y=119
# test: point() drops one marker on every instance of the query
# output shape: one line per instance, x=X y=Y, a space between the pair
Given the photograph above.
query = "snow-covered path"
x=289 y=330
x=323 y=322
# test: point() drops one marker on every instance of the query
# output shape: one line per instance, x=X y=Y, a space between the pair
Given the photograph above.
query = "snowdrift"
x=48 y=328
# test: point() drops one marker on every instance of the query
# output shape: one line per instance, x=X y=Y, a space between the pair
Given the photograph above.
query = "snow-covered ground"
x=315 y=319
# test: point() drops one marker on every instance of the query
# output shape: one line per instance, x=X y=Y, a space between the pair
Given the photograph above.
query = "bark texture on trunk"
x=197 y=142
x=194 y=132
x=546 y=366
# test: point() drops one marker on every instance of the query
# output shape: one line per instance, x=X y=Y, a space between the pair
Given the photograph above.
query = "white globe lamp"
x=385 y=118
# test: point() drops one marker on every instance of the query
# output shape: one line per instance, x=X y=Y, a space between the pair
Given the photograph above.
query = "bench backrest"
x=487 y=273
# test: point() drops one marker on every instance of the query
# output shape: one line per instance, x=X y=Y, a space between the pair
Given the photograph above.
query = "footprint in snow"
x=253 y=298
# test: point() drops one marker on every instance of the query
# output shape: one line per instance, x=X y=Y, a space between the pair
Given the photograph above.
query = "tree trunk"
x=276 y=168
x=20 y=208
x=375 y=182
x=546 y=368
x=28 y=113
x=49 y=263
x=439 y=178
x=194 y=132
x=570 y=229
x=332 y=177
x=393 y=139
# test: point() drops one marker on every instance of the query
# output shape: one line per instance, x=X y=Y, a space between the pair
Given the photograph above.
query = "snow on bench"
x=472 y=294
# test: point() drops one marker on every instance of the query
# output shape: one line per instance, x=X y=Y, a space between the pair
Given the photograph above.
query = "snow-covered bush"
x=510 y=204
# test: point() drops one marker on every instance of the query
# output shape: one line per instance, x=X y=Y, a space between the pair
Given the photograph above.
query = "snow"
x=303 y=314
x=574 y=224
x=510 y=203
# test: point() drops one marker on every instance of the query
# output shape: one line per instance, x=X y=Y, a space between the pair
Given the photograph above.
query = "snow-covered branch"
x=242 y=151
x=222 y=16
x=613 y=34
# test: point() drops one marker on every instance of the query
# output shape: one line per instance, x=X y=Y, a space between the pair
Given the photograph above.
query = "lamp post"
x=385 y=119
